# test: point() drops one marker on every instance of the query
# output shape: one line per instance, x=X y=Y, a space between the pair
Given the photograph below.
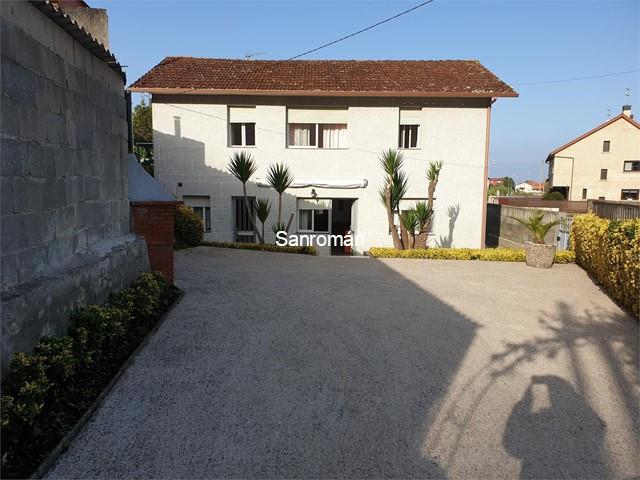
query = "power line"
x=548 y=82
x=361 y=31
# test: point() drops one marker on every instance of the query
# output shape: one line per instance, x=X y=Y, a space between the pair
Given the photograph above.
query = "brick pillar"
x=154 y=221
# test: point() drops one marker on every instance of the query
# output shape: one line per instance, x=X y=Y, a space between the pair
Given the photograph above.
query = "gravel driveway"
x=279 y=365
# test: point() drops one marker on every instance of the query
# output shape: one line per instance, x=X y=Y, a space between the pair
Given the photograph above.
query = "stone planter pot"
x=539 y=255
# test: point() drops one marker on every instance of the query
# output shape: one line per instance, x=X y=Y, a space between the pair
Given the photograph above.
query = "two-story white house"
x=329 y=121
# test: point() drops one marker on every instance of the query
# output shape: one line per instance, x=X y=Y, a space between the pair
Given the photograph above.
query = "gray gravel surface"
x=278 y=365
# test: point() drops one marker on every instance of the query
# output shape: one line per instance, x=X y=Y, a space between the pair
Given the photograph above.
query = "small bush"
x=47 y=391
x=610 y=251
x=553 y=196
x=267 y=247
x=188 y=226
x=482 y=254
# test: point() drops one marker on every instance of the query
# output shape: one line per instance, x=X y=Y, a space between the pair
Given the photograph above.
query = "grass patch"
x=267 y=247
x=46 y=392
x=482 y=254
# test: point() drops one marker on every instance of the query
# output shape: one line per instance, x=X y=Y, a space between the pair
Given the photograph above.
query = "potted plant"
x=538 y=253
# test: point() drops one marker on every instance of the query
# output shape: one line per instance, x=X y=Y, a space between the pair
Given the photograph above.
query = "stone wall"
x=65 y=209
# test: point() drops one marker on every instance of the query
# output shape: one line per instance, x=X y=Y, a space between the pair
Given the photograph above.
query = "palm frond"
x=536 y=226
x=409 y=221
x=423 y=212
x=262 y=208
x=391 y=161
x=433 y=171
x=242 y=166
x=279 y=177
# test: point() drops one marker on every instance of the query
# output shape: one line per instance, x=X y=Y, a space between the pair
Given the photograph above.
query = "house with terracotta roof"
x=530 y=186
x=602 y=164
x=329 y=121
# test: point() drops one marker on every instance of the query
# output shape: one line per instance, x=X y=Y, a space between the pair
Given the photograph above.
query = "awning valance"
x=321 y=183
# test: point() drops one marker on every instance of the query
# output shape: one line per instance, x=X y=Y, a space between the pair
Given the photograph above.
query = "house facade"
x=329 y=122
x=530 y=186
x=602 y=164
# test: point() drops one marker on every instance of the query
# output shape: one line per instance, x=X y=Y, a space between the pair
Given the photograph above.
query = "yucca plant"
x=433 y=174
x=279 y=177
x=424 y=214
x=393 y=189
x=263 y=209
x=242 y=166
x=537 y=227
x=409 y=221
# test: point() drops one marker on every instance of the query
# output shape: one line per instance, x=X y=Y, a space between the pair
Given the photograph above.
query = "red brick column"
x=154 y=221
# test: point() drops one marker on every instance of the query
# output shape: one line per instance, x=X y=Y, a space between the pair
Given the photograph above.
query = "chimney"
x=626 y=110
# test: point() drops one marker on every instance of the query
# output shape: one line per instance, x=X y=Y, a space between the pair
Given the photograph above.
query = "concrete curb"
x=71 y=435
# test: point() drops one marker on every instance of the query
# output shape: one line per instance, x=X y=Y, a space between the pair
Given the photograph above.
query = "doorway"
x=341 y=221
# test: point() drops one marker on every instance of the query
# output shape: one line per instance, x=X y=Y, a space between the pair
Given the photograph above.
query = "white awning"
x=317 y=115
x=321 y=183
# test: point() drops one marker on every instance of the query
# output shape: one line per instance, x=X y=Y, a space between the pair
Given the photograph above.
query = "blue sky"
x=520 y=41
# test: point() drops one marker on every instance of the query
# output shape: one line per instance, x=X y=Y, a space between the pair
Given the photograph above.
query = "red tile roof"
x=425 y=78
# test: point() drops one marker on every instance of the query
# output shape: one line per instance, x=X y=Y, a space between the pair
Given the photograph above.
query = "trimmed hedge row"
x=47 y=391
x=267 y=247
x=610 y=251
x=482 y=254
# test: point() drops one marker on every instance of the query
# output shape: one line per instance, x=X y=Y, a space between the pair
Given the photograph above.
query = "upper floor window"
x=242 y=126
x=409 y=127
x=631 y=166
x=584 y=193
x=606 y=146
x=317 y=128
x=603 y=174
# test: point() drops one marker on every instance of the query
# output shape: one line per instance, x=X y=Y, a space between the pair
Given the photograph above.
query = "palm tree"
x=537 y=228
x=433 y=174
x=263 y=209
x=423 y=218
x=242 y=166
x=279 y=177
x=393 y=189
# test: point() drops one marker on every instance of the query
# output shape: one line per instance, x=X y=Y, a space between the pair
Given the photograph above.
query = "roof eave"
x=318 y=93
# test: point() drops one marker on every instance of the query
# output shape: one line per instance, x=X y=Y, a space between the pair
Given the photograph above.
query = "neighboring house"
x=329 y=121
x=530 y=186
x=494 y=181
x=64 y=141
x=604 y=163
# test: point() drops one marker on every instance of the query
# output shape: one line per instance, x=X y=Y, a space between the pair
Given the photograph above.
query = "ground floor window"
x=201 y=205
x=630 y=194
x=313 y=220
x=243 y=228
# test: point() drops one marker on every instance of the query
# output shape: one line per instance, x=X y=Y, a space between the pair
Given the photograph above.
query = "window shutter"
x=318 y=115
x=410 y=116
x=242 y=114
x=196 y=201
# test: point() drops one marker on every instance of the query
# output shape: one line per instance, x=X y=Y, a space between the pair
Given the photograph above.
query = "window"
x=243 y=230
x=313 y=220
x=584 y=193
x=242 y=127
x=630 y=194
x=632 y=166
x=202 y=207
x=603 y=174
x=317 y=128
x=409 y=127
x=606 y=146
x=600 y=198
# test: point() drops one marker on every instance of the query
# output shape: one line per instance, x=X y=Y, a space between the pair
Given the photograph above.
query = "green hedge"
x=47 y=391
x=188 y=227
x=267 y=247
x=483 y=254
x=610 y=251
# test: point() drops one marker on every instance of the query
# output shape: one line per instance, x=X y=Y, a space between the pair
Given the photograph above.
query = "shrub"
x=482 y=254
x=47 y=391
x=553 y=196
x=267 y=247
x=610 y=251
x=188 y=226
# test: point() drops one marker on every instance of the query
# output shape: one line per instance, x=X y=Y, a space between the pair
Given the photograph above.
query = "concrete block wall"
x=64 y=226
x=63 y=142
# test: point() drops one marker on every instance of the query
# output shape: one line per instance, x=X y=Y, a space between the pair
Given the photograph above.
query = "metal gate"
x=563 y=240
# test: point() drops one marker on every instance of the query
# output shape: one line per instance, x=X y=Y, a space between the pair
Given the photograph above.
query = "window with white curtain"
x=317 y=128
x=410 y=119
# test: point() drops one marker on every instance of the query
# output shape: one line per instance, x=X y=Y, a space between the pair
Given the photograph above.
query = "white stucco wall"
x=578 y=166
x=453 y=131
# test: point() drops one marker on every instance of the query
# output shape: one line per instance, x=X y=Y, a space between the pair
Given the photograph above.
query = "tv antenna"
x=252 y=55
